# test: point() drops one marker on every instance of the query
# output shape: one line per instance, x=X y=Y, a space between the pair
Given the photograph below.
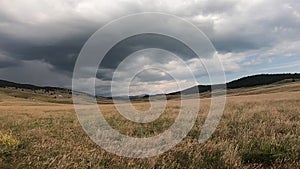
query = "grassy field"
x=260 y=128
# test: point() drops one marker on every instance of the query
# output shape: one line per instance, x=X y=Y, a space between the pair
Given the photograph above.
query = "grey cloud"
x=53 y=32
x=6 y=61
x=139 y=42
x=61 y=55
x=35 y=72
x=152 y=75
x=52 y=41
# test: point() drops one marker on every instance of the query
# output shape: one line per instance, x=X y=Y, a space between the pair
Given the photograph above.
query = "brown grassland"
x=260 y=128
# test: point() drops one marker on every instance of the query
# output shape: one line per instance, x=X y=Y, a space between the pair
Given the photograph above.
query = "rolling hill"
x=247 y=82
x=242 y=83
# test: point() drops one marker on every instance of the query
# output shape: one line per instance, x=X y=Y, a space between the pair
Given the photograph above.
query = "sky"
x=40 y=41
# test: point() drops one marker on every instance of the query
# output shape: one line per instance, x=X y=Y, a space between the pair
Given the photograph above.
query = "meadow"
x=260 y=128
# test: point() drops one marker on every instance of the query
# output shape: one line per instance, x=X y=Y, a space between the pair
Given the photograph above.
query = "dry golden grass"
x=256 y=131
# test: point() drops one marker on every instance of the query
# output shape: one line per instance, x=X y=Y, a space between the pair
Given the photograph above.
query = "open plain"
x=260 y=128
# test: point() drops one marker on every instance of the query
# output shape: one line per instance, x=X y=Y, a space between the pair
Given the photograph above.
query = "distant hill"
x=262 y=79
x=245 y=82
x=249 y=81
x=4 y=83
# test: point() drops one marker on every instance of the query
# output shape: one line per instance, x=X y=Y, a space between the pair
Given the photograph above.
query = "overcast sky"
x=40 y=39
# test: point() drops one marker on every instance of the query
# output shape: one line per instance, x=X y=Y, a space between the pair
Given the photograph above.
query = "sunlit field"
x=260 y=128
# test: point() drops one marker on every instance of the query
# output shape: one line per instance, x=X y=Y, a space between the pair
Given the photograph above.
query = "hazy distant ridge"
x=249 y=81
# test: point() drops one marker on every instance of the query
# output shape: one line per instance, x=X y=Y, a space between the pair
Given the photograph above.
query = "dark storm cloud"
x=61 y=52
x=53 y=32
x=61 y=55
x=139 y=42
x=6 y=61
